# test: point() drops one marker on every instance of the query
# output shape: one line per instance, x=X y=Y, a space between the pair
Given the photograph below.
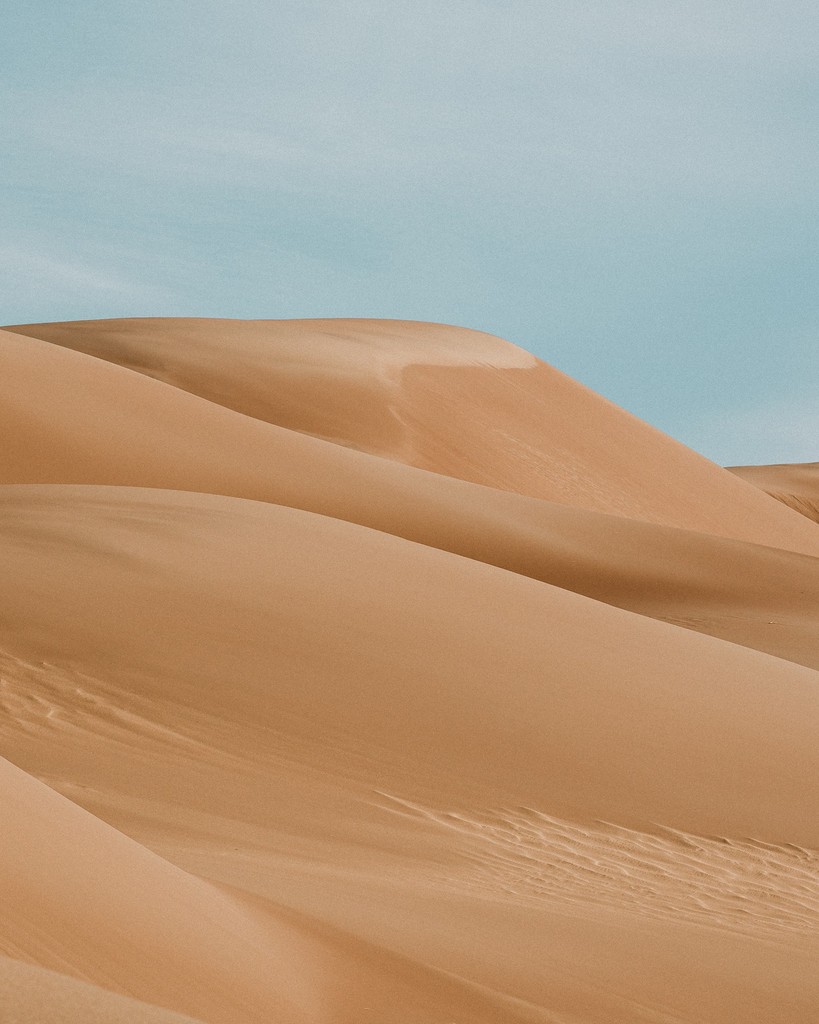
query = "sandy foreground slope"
x=30 y=995
x=297 y=732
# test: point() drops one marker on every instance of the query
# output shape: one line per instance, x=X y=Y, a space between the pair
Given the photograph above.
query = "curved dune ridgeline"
x=457 y=402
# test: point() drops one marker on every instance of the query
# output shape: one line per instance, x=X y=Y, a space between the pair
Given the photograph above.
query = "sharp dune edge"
x=373 y=672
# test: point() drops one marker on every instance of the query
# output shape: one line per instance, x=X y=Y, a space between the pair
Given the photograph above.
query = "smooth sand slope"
x=81 y=897
x=300 y=733
x=446 y=399
x=796 y=485
x=31 y=995
x=248 y=721
x=78 y=419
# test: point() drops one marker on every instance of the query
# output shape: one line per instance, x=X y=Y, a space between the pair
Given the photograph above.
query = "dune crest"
x=453 y=401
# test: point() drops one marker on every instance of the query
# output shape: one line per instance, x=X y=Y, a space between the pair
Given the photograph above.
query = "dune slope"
x=82 y=898
x=352 y=759
x=458 y=402
x=55 y=403
x=275 y=575
x=31 y=995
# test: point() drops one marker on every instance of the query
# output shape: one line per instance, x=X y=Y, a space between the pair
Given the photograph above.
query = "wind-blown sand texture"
x=374 y=672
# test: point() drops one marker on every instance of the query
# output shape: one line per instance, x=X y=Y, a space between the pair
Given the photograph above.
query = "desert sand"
x=375 y=672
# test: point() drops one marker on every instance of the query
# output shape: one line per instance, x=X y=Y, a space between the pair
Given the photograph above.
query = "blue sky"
x=626 y=188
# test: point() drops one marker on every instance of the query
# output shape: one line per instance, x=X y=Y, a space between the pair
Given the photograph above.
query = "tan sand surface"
x=294 y=732
x=446 y=399
x=795 y=485
x=31 y=995
x=54 y=402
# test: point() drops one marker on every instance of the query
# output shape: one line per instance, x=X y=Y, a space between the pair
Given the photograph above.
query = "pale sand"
x=425 y=757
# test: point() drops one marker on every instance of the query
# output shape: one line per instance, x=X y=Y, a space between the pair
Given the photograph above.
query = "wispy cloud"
x=32 y=279
x=51 y=272
x=782 y=431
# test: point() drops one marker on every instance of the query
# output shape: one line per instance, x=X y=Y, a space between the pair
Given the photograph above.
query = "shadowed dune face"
x=342 y=681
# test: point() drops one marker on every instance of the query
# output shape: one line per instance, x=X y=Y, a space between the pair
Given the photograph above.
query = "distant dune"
x=374 y=672
x=796 y=486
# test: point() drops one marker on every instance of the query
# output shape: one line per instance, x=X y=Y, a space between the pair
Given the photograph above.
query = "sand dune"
x=55 y=401
x=796 y=486
x=410 y=616
x=457 y=402
x=297 y=732
x=169 y=722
